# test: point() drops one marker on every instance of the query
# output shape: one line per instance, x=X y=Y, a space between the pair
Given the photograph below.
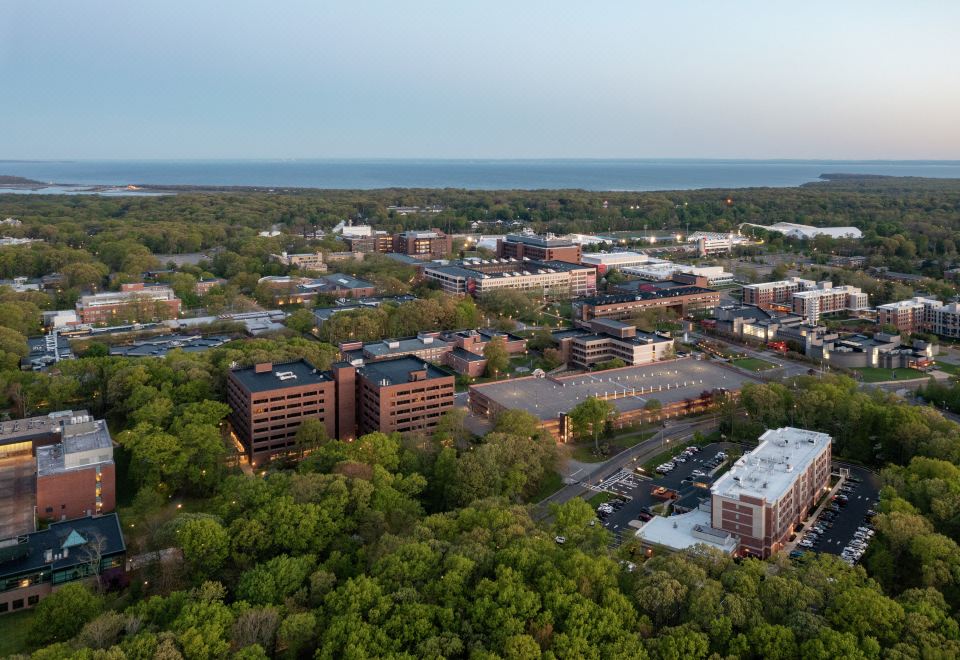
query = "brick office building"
x=269 y=402
x=432 y=244
x=403 y=394
x=538 y=248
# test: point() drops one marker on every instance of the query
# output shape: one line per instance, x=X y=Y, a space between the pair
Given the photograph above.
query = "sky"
x=863 y=79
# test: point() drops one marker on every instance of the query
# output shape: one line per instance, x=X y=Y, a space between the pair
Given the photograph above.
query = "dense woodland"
x=428 y=546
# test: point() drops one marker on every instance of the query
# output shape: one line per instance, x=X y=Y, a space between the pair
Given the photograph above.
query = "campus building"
x=772 y=488
x=287 y=290
x=682 y=300
x=269 y=402
x=134 y=302
x=710 y=242
x=606 y=261
x=608 y=340
x=432 y=244
x=375 y=242
x=660 y=270
x=479 y=276
x=538 y=248
x=827 y=299
x=402 y=394
x=775 y=293
x=33 y=565
x=312 y=261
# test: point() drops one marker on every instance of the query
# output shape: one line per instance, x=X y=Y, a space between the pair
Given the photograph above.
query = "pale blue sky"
x=485 y=79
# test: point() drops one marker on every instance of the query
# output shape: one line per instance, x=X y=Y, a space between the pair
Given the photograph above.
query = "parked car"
x=698 y=473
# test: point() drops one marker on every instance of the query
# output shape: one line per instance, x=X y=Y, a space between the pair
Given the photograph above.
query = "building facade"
x=775 y=293
x=772 y=488
x=134 y=302
x=479 y=276
x=609 y=340
x=432 y=244
x=828 y=299
x=682 y=300
x=76 y=477
x=538 y=248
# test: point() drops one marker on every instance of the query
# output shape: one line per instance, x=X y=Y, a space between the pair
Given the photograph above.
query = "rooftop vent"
x=285 y=375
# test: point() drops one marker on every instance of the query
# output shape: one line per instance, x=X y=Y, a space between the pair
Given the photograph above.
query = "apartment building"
x=607 y=340
x=770 y=489
x=134 y=302
x=909 y=316
x=538 y=248
x=402 y=394
x=827 y=299
x=775 y=293
x=268 y=403
x=76 y=477
x=682 y=300
x=432 y=244
x=479 y=276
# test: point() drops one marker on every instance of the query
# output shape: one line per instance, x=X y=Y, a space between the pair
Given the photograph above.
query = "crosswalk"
x=621 y=482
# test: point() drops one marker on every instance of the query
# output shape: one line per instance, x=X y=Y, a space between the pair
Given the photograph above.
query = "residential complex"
x=826 y=299
x=269 y=402
x=479 y=276
x=681 y=299
x=775 y=293
x=538 y=248
x=922 y=315
x=134 y=302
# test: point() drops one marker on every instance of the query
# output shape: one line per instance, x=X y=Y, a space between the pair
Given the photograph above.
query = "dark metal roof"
x=645 y=295
x=397 y=370
x=305 y=374
x=26 y=554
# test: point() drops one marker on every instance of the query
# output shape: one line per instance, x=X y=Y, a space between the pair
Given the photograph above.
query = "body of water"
x=634 y=175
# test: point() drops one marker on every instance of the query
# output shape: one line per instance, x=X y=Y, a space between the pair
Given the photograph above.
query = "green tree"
x=302 y=321
x=590 y=417
x=311 y=435
x=498 y=359
x=63 y=613
x=204 y=543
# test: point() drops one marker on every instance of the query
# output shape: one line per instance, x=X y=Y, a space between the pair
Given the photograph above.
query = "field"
x=13 y=632
x=753 y=364
x=878 y=375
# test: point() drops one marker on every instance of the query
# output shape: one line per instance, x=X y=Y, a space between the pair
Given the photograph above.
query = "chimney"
x=263 y=367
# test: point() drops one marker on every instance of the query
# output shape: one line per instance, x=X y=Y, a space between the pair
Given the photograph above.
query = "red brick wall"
x=73 y=494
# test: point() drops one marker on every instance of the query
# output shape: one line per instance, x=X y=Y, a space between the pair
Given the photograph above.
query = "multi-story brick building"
x=538 y=248
x=772 y=488
x=682 y=300
x=827 y=299
x=608 y=340
x=76 y=477
x=377 y=242
x=775 y=293
x=432 y=244
x=134 y=302
x=402 y=394
x=269 y=402
x=311 y=261
x=907 y=316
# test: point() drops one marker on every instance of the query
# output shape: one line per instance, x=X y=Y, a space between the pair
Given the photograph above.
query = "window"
x=4 y=607
x=18 y=604
x=33 y=600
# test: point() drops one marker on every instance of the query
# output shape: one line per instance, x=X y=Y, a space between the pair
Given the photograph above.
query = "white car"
x=698 y=473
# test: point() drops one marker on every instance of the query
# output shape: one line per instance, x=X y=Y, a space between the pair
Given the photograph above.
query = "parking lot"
x=638 y=488
x=841 y=530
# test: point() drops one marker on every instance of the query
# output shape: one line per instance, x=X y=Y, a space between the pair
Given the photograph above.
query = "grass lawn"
x=13 y=632
x=583 y=451
x=551 y=484
x=877 y=375
x=753 y=364
x=952 y=369
x=600 y=498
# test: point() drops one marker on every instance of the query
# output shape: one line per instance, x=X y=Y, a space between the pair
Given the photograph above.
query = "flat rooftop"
x=768 y=471
x=539 y=241
x=303 y=372
x=21 y=430
x=667 y=381
x=161 y=345
x=404 y=345
x=26 y=554
x=397 y=370
x=685 y=531
x=77 y=438
x=673 y=292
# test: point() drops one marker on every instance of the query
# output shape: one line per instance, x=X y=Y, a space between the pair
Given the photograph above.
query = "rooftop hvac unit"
x=285 y=375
